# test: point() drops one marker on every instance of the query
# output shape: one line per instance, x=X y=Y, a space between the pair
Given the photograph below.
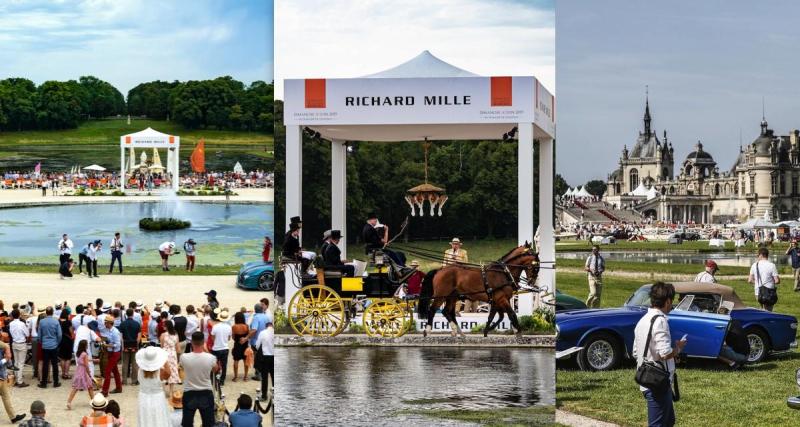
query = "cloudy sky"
x=708 y=64
x=321 y=38
x=126 y=42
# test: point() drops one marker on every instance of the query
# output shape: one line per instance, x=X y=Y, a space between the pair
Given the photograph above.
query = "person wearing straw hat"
x=98 y=417
x=165 y=250
x=221 y=332
x=176 y=402
x=455 y=254
x=153 y=411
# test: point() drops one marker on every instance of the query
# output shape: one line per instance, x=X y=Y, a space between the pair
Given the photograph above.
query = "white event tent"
x=151 y=138
x=426 y=99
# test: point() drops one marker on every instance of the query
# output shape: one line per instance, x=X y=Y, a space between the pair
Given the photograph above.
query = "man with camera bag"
x=764 y=277
x=655 y=356
x=116 y=253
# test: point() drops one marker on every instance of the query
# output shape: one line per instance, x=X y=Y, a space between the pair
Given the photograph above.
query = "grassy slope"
x=97 y=141
x=710 y=392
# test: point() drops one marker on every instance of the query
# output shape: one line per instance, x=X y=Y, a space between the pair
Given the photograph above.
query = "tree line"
x=221 y=103
x=480 y=178
x=54 y=104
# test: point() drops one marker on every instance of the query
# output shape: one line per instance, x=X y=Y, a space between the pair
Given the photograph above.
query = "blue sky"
x=126 y=42
x=708 y=64
x=338 y=39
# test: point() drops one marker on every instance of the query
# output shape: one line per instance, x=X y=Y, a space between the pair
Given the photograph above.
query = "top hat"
x=295 y=220
x=336 y=234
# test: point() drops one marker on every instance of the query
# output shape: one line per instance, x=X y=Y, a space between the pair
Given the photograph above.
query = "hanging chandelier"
x=417 y=196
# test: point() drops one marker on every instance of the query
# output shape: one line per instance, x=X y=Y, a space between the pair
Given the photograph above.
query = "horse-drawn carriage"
x=327 y=301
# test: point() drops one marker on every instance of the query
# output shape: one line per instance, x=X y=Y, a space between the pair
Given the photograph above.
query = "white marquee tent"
x=151 y=138
x=640 y=190
x=426 y=99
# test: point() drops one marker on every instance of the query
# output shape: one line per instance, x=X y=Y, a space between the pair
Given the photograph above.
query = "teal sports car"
x=257 y=275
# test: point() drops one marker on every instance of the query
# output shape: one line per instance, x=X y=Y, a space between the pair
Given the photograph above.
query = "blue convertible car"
x=256 y=275
x=600 y=338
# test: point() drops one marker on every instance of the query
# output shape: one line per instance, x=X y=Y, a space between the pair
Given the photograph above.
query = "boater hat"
x=455 y=240
x=99 y=401
x=223 y=315
x=151 y=358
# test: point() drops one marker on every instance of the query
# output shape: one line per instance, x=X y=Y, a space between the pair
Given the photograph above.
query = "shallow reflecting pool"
x=232 y=233
x=744 y=259
x=323 y=386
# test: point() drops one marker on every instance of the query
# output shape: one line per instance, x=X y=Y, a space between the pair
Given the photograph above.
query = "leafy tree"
x=560 y=185
x=596 y=187
x=17 y=104
x=59 y=105
x=103 y=99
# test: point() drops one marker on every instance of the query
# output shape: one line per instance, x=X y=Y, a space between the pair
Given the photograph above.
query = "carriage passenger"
x=414 y=284
x=375 y=236
x=333 y=256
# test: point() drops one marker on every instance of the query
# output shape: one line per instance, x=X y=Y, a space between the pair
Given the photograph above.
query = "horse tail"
x=425 y=295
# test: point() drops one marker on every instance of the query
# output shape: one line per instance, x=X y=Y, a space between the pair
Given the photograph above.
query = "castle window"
x=794 y=185
x=752 y=184
x=665 y=173
x=736 y=188
x=688 y=170
x=774 y=184
x=634 y=178
x=783 y=184
x=716 y=189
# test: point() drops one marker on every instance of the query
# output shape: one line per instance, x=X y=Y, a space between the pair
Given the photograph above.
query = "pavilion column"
x=294 y=196
x=122 y=167
x=339 y=190
x=547 y=241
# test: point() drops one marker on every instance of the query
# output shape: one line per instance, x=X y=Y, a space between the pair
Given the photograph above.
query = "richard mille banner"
x=415 y=100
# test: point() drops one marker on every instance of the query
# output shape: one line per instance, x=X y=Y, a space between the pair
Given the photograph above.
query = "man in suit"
x=333 y=256
x=375 y=235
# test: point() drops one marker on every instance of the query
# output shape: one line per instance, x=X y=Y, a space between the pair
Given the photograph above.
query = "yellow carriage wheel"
x=385 y=319
x=318 y=311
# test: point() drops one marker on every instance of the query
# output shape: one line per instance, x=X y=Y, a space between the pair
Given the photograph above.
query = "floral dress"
x=82 y=379
x=170 y=343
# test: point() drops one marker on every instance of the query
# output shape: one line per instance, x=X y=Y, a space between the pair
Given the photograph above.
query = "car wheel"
x=266 y=281
x=759 y=345
x=601 y=352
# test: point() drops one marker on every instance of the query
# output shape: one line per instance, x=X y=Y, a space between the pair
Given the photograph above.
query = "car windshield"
x=640 y=298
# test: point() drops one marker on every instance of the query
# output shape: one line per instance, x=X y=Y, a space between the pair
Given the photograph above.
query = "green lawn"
x=710 y=392
x=640 y=267
x=477 y=250
x=97 y=141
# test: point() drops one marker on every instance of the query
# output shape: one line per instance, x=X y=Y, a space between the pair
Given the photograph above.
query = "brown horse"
x=495 y=282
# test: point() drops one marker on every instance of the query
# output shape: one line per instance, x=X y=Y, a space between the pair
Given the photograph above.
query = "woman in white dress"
x=153 y=411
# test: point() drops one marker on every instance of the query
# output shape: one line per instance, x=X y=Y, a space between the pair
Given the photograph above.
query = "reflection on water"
x=31 y=234
x=324 y=386
x=745 y=259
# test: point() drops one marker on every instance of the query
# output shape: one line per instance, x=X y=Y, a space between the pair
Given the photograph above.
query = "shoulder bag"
x=766 y=296
x=651 y=374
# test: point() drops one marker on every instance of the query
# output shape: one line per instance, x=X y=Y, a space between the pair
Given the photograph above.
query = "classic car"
x=601 y=338
x=568 y=302
x=256 y=275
